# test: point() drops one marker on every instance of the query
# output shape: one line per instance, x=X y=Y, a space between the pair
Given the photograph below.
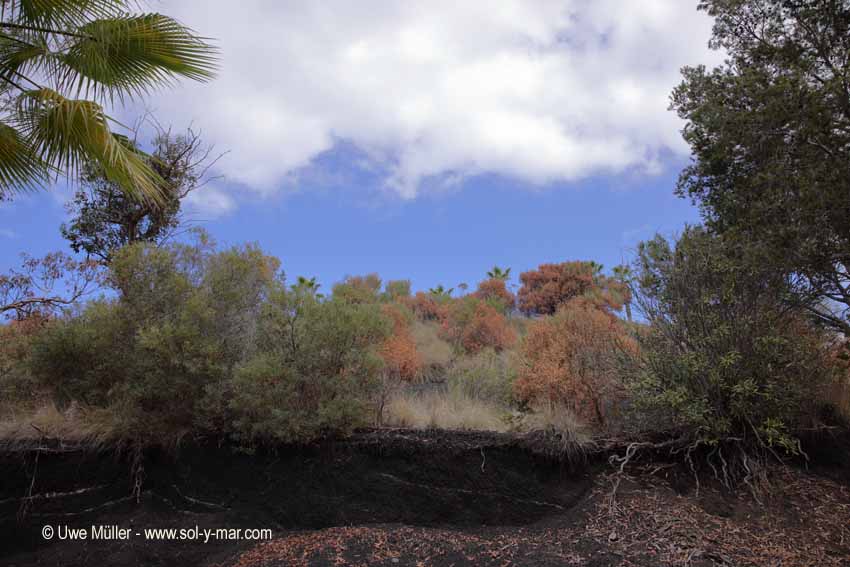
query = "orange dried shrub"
x=573 y=358
x=495 y=289
x=475 y=325
x=401 y=359
x=402 y=362
x=552 y=285
x=426 y=307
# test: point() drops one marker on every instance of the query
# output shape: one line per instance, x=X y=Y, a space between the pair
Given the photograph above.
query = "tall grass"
x=451 y=409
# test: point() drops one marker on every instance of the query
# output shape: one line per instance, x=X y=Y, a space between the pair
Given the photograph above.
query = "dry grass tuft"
x=554 y=430
x=445 y=410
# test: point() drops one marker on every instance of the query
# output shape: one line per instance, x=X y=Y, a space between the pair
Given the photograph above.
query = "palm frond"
x=133 y=54
x=19 y=56
x=20 y=167
x=63 y=13
x=69 y=133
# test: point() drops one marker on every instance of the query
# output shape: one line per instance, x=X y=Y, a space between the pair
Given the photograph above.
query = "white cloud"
x=8 y=233
x=542 y=91
x=209 y=202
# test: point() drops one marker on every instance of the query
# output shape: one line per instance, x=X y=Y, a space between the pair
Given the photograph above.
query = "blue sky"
x=385 y=137
x=334 y=229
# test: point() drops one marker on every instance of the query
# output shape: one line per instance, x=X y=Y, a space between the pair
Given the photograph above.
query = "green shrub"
x=316 y=371
x=722 y=361
x=184 y=317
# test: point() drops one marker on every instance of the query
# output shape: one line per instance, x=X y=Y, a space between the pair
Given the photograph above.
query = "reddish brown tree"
x=495 y=290
x=474 y=325
x=552 y=285
x=573 y=358
x=426 y=306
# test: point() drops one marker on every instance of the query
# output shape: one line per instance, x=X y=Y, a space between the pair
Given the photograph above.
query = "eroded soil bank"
x=407 y=498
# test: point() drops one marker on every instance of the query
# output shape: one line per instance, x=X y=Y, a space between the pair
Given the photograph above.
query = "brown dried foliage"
x=552 y=285
x=496 y=289
x=572 y=359
x=475 y=325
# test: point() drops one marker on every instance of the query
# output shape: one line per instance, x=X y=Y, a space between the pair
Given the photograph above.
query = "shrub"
x=435 y=353
x=551 y=285
x=573 y=359
x=723 y=359
x=398 y=352
x=315 y=372
x=16 y=340
x=487 y=375
x=394 y=290
x=472 y=325
x=358 y=289
x=495 y=292
x=183 y=319
x=427 y=306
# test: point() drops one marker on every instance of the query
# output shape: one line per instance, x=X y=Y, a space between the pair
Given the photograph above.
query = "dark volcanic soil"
x=396 y=497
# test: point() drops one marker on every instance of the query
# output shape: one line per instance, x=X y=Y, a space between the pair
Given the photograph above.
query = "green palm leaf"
x=63 y=13
x=68 y=133
x=20 y=168
x=133 y=54
x=19 y=56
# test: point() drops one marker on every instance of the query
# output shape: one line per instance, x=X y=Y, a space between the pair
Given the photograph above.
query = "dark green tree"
x=105 y=218
x=770 y=134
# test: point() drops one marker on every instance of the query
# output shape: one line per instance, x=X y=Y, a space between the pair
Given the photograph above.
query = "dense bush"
x=358 y=289
x=471 y=324
x=402 y=362
x=316 y=371
x=16 y=340
x=551 y=285
x=427 y=306
x=435 y=353
x=722 y=359
x=573 y=359
x=495 y=292
x=183 y=319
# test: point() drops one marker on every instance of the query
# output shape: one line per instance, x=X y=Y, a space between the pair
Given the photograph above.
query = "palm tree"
x=441 y=292
x=498 y=273
x=60 y=60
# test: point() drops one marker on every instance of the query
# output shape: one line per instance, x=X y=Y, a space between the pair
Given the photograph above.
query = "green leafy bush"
x=315 y=373
x=722 y=361
x=184 y=317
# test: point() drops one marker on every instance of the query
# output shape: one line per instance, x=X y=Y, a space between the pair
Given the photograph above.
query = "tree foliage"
x=770 y=133
x=315 y=372
x=551 y=285
x=44 y=286
x=359 y=289
x=105 y=218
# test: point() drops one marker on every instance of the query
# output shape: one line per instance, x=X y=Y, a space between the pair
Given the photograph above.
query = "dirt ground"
x=413 y=498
